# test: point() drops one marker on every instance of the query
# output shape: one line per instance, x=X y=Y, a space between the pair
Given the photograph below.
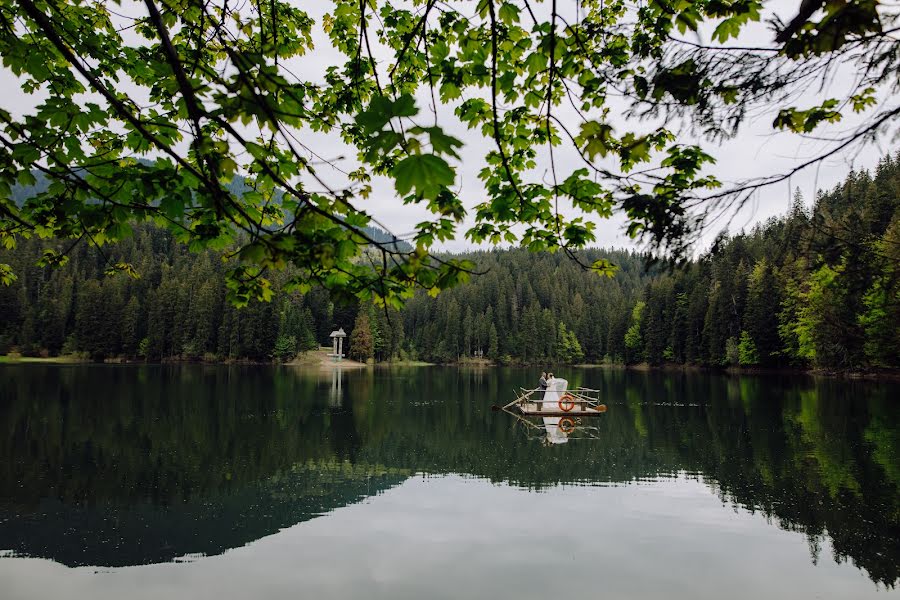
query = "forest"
x=816 y=288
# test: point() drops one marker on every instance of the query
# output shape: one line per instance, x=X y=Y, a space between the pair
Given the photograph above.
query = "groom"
x=542 y=386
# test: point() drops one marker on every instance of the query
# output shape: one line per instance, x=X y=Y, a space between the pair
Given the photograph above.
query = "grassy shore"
x=320 y=358
x=404 y=363
x=18 y=358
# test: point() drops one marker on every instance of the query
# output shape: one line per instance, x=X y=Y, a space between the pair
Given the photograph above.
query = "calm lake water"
x=250 y=482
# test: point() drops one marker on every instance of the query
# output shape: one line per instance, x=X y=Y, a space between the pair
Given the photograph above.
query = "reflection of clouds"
x=460 y=537
x=434 y=420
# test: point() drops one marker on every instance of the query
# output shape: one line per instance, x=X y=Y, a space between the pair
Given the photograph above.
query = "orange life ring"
x=566 y=425
x=566 y=402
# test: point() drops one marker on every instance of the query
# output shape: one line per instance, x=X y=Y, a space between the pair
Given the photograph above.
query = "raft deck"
x=558 y=401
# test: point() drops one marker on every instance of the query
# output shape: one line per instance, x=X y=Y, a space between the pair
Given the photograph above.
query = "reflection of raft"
x=558 y=401
x=558 y=430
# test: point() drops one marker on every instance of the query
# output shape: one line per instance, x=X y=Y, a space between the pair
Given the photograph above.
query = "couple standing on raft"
x=544 y=381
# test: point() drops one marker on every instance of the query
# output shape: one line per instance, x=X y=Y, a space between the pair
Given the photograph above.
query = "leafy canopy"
x=202 y=116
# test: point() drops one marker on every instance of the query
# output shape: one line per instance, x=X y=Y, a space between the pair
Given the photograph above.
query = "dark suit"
x=542 y=385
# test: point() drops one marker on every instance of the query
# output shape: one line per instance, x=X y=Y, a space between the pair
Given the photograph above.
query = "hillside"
x=818 y=287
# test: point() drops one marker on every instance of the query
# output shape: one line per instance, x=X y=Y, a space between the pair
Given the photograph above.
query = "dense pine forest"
x=816 y=288
x=819 y=287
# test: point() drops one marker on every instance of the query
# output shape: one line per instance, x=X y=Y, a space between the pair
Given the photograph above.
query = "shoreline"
x=874 y=374
x=319 y=359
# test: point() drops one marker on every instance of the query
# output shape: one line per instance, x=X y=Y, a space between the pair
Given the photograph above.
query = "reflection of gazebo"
x=337 y=340
x=336 y=396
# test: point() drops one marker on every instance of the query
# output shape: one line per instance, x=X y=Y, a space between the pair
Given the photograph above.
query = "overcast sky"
x=757 y=151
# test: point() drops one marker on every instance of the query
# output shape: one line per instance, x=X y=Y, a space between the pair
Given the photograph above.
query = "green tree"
x=732 y=352
x=468 y=326
x=716 y=322
x=452 y=331
x=761 y=315
x=205 y=312
x=202 y=139
x=306 y=338
x=567 y=347
x=93 y=328
x=493 y=343
x=656 y=320
x=380 y=335
x=821 y=331
x=747 y=351
x=633 y=340
x=881 y=313
x=131 y=327
x=362 y=347
x=285 y=348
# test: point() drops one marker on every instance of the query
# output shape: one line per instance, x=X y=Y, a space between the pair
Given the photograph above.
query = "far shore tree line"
x=818 y=287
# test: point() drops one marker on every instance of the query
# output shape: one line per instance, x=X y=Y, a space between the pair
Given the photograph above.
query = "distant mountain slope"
x=238 y=186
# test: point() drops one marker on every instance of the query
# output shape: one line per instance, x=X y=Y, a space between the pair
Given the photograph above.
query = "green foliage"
x=427 y=174
x=568 y=350
x=732 y=354
x=362 y=346
x=179 y=305
x=815 y=288
x=805 y=121
x=747 y=353
x=295 y=322
x=203 y=140
x=812 y=327
x=881 y=302
x=760 y=319
x=285 y=348
x=7 y=277
x=633 y=340
x=879 y=320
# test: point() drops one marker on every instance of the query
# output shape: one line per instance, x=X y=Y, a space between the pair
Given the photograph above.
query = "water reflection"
x=336 y=394
x=119 y=466
x=550 y=431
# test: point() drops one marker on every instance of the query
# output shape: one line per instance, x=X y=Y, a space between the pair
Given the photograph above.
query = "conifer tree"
x=362 y=347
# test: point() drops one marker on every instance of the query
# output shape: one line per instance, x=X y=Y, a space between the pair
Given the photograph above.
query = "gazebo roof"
x=339 y=333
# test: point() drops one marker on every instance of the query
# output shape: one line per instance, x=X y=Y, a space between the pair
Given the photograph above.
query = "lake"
x=264 y=482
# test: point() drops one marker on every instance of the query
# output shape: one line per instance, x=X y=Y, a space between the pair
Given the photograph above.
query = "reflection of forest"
x=134 y=465
x=130 y=466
